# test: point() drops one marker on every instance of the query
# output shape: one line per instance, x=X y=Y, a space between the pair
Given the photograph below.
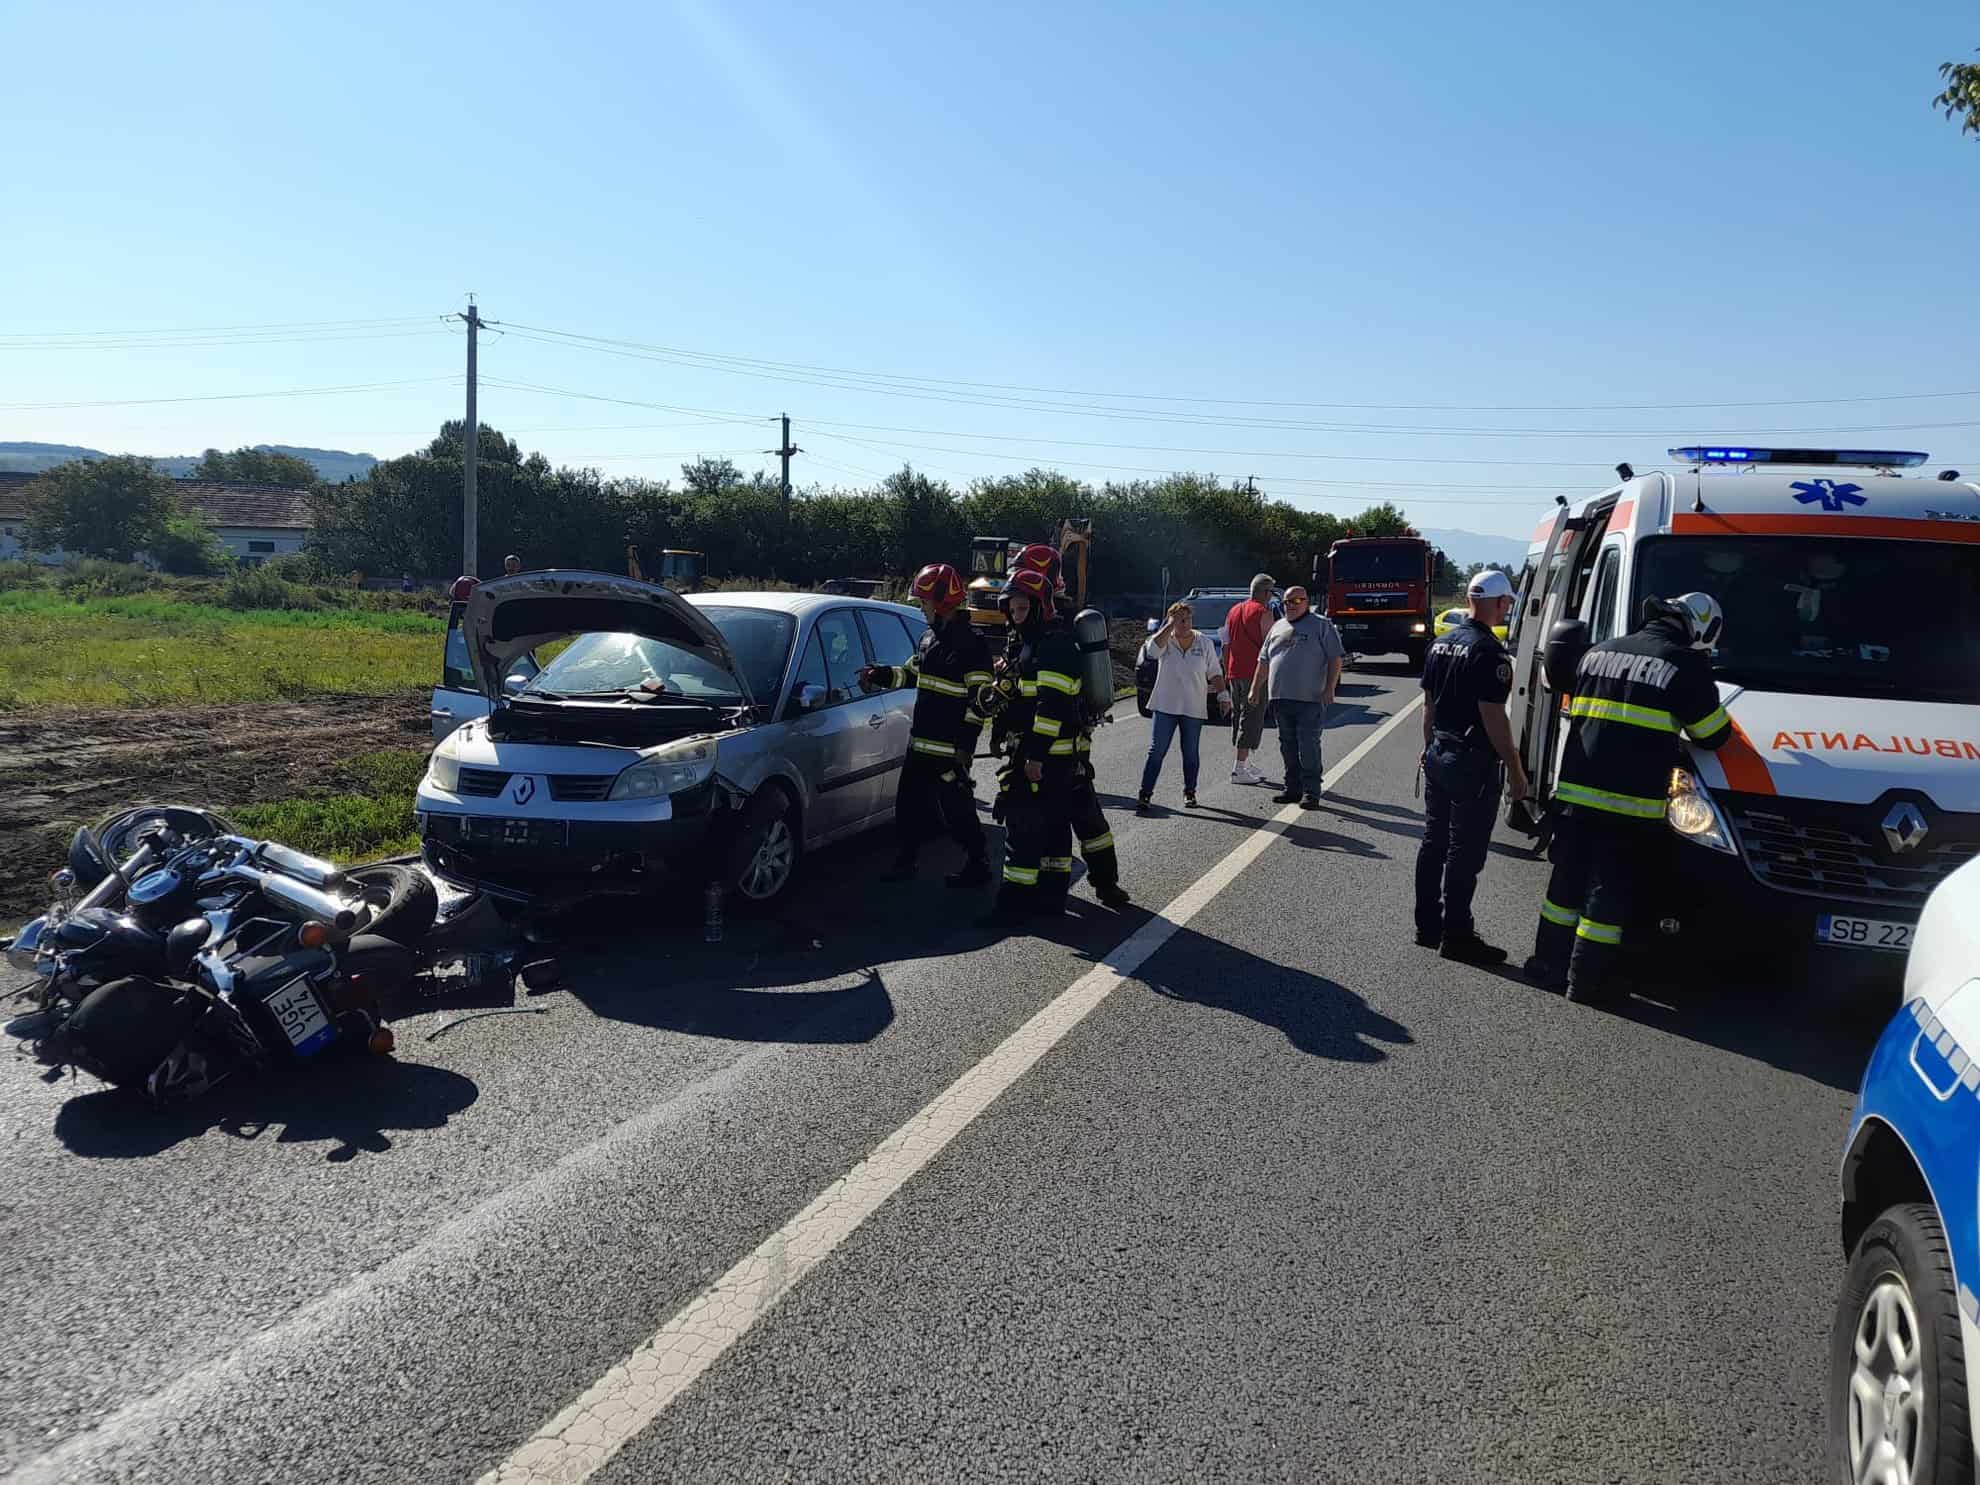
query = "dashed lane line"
x=574 y=1444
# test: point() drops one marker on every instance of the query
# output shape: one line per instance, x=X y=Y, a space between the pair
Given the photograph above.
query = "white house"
x=254 y=522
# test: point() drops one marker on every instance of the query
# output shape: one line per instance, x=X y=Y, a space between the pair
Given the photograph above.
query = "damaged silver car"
x=717 y=737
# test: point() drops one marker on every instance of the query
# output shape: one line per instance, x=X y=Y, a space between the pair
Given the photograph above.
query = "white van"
x=1850 y=665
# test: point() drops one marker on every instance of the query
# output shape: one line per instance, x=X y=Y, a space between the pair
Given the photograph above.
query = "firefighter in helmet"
x=947 y=669
x=1632 y=697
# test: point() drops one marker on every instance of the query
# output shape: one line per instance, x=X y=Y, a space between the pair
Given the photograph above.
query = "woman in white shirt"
x=1187 y=671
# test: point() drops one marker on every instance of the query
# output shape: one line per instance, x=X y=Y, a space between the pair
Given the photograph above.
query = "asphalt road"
x=1291 y=1200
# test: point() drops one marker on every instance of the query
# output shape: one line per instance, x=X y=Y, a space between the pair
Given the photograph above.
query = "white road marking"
x=581 y=1438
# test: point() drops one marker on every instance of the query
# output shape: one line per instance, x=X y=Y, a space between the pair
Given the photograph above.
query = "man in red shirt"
x=1242 y=636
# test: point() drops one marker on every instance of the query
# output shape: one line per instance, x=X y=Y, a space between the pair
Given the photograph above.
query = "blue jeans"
x=1167 y=724
x=1299 y=742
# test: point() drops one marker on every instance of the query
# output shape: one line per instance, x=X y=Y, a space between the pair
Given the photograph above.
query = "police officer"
x=948 y=667
x=1467 y=676
x=1632 y=697
x=1087 y=818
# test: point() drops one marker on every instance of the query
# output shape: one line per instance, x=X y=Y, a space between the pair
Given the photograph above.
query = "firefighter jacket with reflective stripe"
x=1044 y=720
x=1632 y=698
x=948 y=666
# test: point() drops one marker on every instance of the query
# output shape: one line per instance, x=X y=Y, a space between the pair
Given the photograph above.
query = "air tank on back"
x=1096 y=664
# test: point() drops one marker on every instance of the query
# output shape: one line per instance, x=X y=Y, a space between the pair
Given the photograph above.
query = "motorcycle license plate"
x=300 y=1015
x=1863 y=933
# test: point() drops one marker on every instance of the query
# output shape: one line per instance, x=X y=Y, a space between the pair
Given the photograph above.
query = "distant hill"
x=333 y=465
x=1470 y=549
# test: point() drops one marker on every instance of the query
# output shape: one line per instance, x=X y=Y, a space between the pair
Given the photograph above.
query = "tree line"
x=405 y=517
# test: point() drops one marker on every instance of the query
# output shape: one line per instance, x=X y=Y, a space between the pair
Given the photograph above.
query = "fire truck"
x=1378 y=594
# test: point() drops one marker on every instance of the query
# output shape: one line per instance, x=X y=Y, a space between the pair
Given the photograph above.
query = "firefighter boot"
x=1591 y=972
x=1553 y=944
x=975 y=873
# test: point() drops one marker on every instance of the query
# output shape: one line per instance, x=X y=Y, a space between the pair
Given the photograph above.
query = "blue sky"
x=1412 y=207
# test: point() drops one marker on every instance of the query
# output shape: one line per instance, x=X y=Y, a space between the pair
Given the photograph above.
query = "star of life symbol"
x=1834 y=497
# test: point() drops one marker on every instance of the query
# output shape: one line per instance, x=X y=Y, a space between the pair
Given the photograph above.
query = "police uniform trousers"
x=928 y=805
x=1038 y=836
x=1598 y=862
x=1457 y=833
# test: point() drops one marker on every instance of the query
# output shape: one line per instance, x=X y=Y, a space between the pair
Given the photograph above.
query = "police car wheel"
x=1897 y=1378
x=764 y=858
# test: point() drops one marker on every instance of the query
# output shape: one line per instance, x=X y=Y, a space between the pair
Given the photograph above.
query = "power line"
x=417 y=381
x=129 y=333
x=679 y=351
x=197 y=342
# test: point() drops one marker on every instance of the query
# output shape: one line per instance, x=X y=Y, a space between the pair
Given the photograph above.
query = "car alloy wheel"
x=767 y=871
x=1887 y=1386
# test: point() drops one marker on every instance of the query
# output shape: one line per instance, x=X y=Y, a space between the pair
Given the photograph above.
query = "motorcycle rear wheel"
x=403 y=902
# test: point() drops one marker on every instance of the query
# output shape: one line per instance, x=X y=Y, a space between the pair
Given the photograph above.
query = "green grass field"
x=374 y=818
x=146 y=651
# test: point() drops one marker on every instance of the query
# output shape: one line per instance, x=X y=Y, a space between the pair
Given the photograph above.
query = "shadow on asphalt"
x=1318 y=1016
x=353 y=1104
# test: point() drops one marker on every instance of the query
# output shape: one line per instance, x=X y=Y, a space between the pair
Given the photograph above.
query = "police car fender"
x=1846 y=749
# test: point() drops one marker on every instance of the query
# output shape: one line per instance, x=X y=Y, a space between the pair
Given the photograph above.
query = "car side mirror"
x=1567 y=642
x=808 y=698
x=514 y=681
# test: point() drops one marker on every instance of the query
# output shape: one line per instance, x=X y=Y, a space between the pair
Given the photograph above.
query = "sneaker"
x=1244 y=773
x=1286 y=797
x=974 y=874
x=1189 y=799
x=1471 y=949
x=1544 y=974
x=1309 y=801
x=1141 y=806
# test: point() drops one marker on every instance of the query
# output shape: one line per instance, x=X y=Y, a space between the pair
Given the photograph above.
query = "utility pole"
x=784 y=452
x=1251 y=484
x=470 y=514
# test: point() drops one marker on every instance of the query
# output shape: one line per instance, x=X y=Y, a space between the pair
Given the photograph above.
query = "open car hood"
x=511 y=616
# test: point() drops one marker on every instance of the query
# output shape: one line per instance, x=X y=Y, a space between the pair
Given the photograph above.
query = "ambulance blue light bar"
x=1863 y=458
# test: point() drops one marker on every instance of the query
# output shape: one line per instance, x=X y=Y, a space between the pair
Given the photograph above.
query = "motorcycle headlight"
x=674 y=769
x=1693 y=815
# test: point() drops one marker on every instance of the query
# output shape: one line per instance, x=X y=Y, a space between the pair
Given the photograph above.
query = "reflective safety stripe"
x=1712 y=722
x=977 y=678
x=1058 y=680
x=1056 y=863
x=929 y=745
x=1601 y=933
x=1633 y=805
x=1023 y=876
x=1601 y=709
x=941 y=687
x=974 y=717
x=1063 y=748
x=1050 y=726
x=1553 y=912
x=1098 y=843
x=1027 y=688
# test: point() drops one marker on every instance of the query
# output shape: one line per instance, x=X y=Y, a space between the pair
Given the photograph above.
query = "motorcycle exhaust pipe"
x=111 y=889
x=301 y=898
x=290 y=862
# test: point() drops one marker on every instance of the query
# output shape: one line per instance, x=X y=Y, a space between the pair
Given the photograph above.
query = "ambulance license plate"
x=1863 y=933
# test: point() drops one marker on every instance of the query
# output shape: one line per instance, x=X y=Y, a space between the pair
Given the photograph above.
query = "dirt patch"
x=58 y=771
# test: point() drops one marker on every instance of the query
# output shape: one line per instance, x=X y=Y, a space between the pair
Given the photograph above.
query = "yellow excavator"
x=990 y=559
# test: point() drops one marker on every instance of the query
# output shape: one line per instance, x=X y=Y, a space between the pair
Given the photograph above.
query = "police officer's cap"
x=1491 y=583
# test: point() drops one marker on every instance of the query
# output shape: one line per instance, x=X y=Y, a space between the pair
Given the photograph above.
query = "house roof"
x=217 y=502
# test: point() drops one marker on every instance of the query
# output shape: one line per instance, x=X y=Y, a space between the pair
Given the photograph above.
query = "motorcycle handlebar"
x=112 y=886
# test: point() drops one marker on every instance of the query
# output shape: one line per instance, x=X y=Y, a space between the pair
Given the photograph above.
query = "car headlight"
x=674 y=769
x=1693 y=815
x=1418 y=628
x=443 y=769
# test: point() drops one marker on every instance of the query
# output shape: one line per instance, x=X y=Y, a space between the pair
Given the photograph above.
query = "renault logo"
x=525 y=790
x=1905 y=827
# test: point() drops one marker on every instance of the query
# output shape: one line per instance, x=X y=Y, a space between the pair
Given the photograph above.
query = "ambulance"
x=1849 y=664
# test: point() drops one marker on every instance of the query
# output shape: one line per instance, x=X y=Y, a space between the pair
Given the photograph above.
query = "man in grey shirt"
x=1298 y=670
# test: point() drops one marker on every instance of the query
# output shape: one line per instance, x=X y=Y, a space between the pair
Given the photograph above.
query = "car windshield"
x=761 y=640
x=600 y=663
x=1208 y=614
x=1833 y=616
x=1378 y=565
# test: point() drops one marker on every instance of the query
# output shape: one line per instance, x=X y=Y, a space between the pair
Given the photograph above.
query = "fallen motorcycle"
x=194 y=953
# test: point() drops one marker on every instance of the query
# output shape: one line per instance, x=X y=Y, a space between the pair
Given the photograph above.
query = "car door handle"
x=437 y=712
x=876 y=720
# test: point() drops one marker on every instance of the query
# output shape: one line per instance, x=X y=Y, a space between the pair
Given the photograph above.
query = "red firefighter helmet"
x=1038 y=557
x=939 y=585
x=1034 y=585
